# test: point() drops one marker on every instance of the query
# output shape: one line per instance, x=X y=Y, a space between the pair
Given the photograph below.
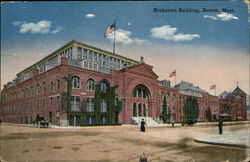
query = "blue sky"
x=185 y=41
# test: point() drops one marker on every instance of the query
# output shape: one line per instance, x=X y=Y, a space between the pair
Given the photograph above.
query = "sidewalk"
x=239 y=138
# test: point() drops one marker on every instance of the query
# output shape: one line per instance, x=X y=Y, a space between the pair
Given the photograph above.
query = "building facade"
x=233 y=104
x=83 y=85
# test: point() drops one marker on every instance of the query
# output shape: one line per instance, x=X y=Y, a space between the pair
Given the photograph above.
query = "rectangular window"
x=90 y=120
x=44 y=104
x=58 y=100
x=51 y=101
x=75 y=103
x=99 y=59
x=79 y=53
x=90 y=65
x=31 y=106
x=38 y=104
x=95 y=57
x=90 y=104
x=95 y=67
x=103 y=105
x=85 y=53
x=90 y=56
x=86 y=64
x=104 y=61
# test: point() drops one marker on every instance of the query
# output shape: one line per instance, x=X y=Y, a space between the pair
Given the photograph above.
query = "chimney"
x=141 y=59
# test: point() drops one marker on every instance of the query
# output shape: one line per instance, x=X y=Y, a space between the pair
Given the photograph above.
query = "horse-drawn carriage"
x=40 y=122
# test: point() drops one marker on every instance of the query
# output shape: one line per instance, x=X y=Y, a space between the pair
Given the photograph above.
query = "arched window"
x=51 y=86
x=104 y=87
x=91 y=85
x=76 y=82
x=141 y=91
x=44 y=87
x=58 y=84
x=38 y=88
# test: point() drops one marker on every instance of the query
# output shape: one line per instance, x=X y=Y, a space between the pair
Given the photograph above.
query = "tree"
x=209 y=114
x=164 y=113
x=190 y=110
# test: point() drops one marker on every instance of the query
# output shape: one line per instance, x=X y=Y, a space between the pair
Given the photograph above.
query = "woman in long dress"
x=142 y=125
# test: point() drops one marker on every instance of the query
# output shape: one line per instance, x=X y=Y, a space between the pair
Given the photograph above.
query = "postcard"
x=125 y=81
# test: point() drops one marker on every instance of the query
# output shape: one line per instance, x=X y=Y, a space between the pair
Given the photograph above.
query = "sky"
x=205 y=48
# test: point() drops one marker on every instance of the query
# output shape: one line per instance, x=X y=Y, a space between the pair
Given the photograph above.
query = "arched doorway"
x=141 y=96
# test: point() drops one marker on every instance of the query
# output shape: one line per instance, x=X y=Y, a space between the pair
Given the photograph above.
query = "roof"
x=223 y=95
x=238 y=91
x=70 y=44
x=189 y=86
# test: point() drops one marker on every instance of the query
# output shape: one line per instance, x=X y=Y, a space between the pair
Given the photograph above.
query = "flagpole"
x=114 y=39
x=175 y=76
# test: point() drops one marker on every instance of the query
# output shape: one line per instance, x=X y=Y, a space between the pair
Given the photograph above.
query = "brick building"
x=73 y=85
x=233 y=104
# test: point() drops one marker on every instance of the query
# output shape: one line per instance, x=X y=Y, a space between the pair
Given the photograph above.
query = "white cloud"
x=17 y=23
x=41 y=27
x=58 y=29
x=90 y=16
x=223 y=16
x=226 y=16
x=210 y=17
x=124 y=37
x=185 y=37
x=169 y=33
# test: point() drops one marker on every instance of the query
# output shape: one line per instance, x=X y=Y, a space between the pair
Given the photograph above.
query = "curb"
x=223 y=144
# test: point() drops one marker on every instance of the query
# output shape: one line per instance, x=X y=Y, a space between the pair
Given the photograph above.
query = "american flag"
x=172 y=74
x=213 y=87
x=110 y=29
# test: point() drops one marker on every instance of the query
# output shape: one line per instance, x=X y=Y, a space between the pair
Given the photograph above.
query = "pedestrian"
x=142 y=125
x=172 y=123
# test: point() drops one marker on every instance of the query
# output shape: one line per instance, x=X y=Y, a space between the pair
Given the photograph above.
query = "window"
x=27 y=92
x=31 y=106
x=44 y=86
x=75 y=82
x=51 y=86
x=103 y=105
x=44 y=104
x=85 y=52
x=168 y=97
x=90 y=104
x=75 y=103
x=32 y=90
x=58 y=84
x=90 y=120
x=86 y=64
x=173 y=97
x=58 y=100
x=38 y=104
x=104 y=61
x=104 y=87
x=38 y=88
x=95 y=57
x=51 y=100
x=104 y=120
x=91 y=85
x=90 y=56
x=99 y=59
x=79 y=53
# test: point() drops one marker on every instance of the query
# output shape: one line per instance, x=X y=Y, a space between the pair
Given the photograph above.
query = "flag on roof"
x=213 y=87
x=172 y=74
x=110 y=29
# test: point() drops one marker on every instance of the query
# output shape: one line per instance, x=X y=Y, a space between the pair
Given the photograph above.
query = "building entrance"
x=141 y=96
